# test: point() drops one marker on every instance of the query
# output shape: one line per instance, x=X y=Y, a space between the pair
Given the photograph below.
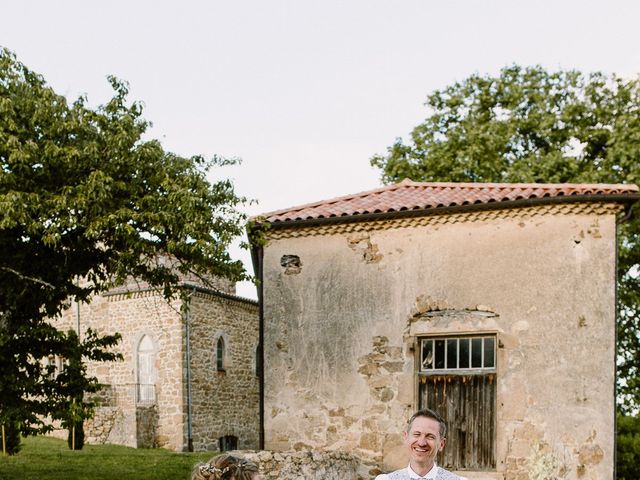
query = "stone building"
x=188 y=379
x=491 y=303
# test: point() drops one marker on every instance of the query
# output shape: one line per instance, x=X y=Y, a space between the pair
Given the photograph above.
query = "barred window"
x=458 y=353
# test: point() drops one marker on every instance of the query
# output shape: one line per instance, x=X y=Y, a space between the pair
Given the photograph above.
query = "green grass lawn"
x=44 y=458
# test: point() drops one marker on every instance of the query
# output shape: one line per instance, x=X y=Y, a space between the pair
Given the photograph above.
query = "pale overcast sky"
x=305 y=92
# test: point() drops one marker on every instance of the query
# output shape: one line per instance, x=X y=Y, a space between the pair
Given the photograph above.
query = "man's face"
x=424 y=442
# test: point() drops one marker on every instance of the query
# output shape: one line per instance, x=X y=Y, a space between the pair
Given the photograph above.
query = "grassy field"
x=43 y=458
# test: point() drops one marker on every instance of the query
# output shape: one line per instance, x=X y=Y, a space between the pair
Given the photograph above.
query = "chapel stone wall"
x=135 y=315
x=225 y=402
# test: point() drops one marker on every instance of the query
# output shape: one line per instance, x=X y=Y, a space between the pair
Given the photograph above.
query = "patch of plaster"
x=360 y=243
x=589 y=453
x=300 y=446
x=594 y=229
x=516 y=360
x=520 y=326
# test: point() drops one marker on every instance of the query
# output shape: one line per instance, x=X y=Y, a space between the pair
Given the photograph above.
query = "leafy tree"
x=85 y=203
x=531 y=125
x=628 y=447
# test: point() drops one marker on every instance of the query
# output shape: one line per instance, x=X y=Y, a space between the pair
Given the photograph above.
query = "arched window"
x=146 y=371
x=220 y=353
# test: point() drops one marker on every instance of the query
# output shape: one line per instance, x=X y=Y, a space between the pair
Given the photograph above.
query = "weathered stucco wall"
x=343 y=310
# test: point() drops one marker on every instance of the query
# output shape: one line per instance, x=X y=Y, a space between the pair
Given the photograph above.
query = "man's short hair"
x=428 y=413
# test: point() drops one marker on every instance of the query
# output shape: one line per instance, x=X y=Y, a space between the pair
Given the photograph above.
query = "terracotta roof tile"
x=409 y=195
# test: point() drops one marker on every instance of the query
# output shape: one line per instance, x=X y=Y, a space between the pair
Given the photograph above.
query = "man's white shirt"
x=431 y=474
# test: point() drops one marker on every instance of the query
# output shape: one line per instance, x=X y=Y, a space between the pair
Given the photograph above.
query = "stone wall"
x=147 y=426
x=162 y=420
x=305 y=465
x=225 y=403
x=134 y=315
x=103 y=427
x=342 y=324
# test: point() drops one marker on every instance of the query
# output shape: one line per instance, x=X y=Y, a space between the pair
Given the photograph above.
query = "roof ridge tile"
x=412 y=195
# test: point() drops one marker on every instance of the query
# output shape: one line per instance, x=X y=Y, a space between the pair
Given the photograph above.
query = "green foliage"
x=49 y=458
x=85 y=203
x=628 y=448
x=527 y=125
x=531 y=125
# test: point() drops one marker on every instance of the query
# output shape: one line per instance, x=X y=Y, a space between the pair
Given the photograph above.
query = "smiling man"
x=424 y=437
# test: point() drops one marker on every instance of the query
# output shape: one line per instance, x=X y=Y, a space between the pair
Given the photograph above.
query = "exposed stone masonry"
x=305 y=465
x=223 y=403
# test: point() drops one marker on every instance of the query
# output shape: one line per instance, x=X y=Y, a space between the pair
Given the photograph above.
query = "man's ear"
x=443 y=442
x=404 y=435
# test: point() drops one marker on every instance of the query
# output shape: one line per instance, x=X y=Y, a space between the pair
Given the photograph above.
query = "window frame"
x=220 y=354
x=457 y=370
x=146 y=354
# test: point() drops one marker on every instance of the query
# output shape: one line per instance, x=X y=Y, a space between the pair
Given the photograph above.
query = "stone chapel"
x=189 y=379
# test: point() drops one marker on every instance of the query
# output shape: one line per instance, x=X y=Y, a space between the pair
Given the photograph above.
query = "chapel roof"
x=419 y=198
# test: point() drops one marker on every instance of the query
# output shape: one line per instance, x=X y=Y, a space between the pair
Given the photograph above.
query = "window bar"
x=433 y=354
x=422 y=350
x=446 y=354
